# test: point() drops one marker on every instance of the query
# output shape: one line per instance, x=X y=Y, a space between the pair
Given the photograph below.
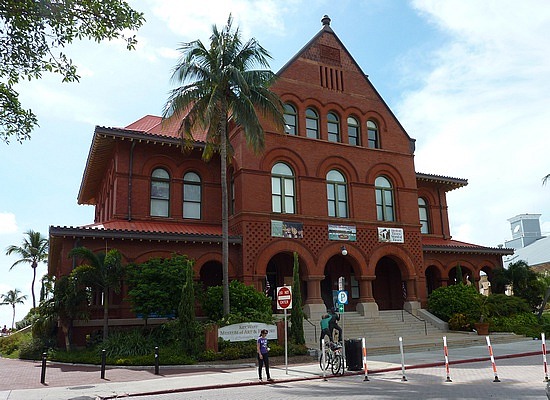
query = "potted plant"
x=484 y=311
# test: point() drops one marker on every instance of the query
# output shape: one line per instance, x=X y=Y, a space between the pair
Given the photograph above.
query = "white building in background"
x=528 y=242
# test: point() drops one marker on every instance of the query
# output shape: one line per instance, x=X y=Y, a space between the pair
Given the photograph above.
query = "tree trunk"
x=13 y=317
x=105 y=314
x=34 y=265
x=225 y=220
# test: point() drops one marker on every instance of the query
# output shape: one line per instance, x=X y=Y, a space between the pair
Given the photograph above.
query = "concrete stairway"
x=382 y=333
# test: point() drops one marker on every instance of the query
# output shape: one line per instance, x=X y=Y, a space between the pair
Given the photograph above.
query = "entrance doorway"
x=388 y=288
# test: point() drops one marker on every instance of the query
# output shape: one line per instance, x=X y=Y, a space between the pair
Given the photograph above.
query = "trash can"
x=353 y=354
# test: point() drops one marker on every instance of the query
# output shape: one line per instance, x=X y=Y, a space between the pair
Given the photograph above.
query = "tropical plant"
x=33 y=250
x=189 y=328
x=12 y=297
x=103 y=272
x=154 y=287
x=217 y=89
x=297 y=313
x=524 y=281
x=546 y=179
x=31 y=33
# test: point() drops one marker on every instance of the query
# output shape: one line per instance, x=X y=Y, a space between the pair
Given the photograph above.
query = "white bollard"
x=364 y=346
x=544 y=357
x=446 y=352
x=404 y=379
x=492 y=358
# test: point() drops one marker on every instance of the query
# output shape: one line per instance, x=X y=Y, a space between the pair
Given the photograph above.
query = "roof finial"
x=325 y=20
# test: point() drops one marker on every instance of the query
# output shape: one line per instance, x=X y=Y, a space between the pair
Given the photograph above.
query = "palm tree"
x=12 y=297
x=217 y=89
x=103 y=272
x=546 y=179
x=33 y=250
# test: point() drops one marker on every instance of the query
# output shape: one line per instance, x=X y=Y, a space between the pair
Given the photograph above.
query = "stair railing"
x=420 y=319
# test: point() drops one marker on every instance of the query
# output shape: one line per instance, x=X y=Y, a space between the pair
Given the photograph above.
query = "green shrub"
x=506 y=306
x=252 y=305
x=85 y=356
x=297 y=349
x=446 y=301
x=128 y=343
x=32 y=349
x=459 y=322
x=209 y=355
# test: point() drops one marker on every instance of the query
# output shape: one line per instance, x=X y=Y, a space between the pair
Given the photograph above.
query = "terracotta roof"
x=437 y=244
x=148 y=230
x=152 y=124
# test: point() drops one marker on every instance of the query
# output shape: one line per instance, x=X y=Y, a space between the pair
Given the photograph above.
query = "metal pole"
x=404 y=379
x=343 y=344
x=286 y=345
x=364 y=346
x=156 y=360
x=544 y=357
x=103 y=361
x=492 y=358
x=43 y=371
x=446 y=352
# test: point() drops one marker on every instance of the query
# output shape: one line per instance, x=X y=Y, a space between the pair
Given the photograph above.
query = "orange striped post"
x=446 y=352
x=544 y=357
x=364 y=345
x=492 y=358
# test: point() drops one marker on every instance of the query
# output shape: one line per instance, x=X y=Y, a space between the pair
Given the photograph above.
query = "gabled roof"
x=447 y=182
x=145 y=230
x=438 y=245
x=326 y=29
x=149 y=129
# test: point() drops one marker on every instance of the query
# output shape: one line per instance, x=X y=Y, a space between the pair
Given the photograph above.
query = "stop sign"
x=284 y=298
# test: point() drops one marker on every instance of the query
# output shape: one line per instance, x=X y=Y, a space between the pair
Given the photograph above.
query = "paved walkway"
x=21 y=379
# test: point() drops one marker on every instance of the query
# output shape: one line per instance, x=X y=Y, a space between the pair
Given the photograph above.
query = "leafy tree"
x=31 y=31
x=186 y=314
x=12 y=297
x=103 y=272
x=155 y=285
x=446 y=301
x=297 y=313
x=33 y=250
x=248 y=304
x=217 y=89
x=524 y=281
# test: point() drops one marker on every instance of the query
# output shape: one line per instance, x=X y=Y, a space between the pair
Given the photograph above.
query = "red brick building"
x=342 y=175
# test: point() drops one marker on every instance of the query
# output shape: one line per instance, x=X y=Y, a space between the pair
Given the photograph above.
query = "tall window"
x=353 y=131
x=282 y=189
x=384 y=199
x=192 y=196
x=373 y=139
x=290 y=119
x=333 y=127
x=312 y=124
x=160 y=193
x=337 y=194
x=423 y=213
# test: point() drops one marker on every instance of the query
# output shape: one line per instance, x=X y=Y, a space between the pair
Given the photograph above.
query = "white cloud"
x=7 y=223
x=481 y=111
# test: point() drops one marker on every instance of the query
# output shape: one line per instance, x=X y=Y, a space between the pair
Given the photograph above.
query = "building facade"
x=338 y=187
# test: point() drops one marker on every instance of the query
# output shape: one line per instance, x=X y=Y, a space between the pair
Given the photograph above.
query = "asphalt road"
x=520 y=378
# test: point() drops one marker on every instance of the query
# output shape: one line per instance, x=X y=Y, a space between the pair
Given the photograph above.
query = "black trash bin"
x=353 y=354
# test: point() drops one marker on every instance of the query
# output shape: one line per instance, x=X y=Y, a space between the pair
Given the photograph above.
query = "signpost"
x=342 y=299
x=284 y=302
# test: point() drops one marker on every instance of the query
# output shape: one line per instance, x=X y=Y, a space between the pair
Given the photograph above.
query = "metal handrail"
x=420 y=319
x=312 y=324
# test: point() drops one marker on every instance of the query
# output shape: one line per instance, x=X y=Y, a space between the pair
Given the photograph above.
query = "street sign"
x=343 y=297
x=341 y=308
x=284 y=298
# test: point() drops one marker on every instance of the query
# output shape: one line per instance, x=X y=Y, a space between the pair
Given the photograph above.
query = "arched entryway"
x=467 y=277
x=433 y=279
x=336 y=267
x=211 y=274
x=280 y=272
x=389 y=289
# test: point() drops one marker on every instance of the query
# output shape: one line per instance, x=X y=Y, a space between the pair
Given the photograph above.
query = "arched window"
x=290 y=119
x=384 y=199
x=282 y=189
x=353 y=131
x=312 y=124
x=333 y=127
x=192 y=196
x=337 y=195
x=160 y=193
x=423 y=214
x=373 y=139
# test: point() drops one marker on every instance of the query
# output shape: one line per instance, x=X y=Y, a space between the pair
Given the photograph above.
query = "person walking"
x=263 y=355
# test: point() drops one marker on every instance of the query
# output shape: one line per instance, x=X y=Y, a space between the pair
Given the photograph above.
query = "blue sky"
x=469 y=80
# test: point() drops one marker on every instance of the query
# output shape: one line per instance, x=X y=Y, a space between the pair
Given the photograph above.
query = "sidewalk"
x=83 y=382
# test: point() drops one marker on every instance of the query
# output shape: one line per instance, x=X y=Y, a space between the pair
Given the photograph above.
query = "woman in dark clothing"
x=263 y=355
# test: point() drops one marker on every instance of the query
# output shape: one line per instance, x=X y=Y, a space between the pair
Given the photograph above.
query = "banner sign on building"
x=246 y=331
x=342 y=232
x=394 y=235
x=289 y=230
